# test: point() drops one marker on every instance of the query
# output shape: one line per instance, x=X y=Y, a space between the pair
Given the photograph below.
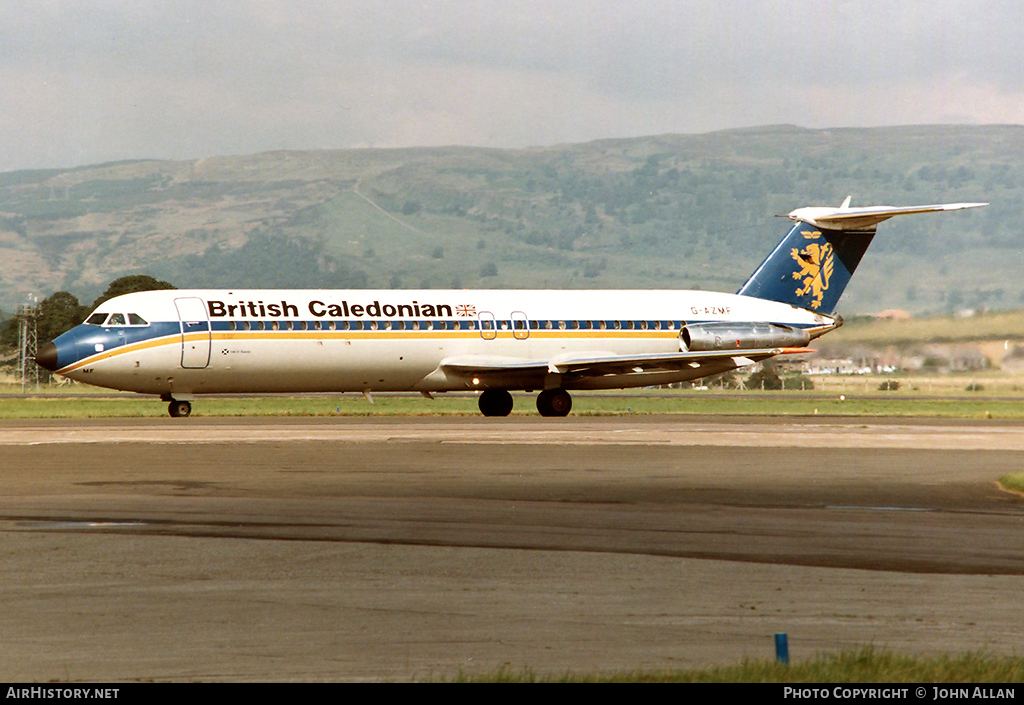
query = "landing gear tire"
x=495 y=402
x=554 y=402
x=179 y=408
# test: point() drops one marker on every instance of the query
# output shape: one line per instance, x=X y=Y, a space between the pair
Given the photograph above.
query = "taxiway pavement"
x=345 y=548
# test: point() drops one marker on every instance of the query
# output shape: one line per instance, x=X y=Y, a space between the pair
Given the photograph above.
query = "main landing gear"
x=495 y=402
x=554 y=402
x=179 y=408
x=550 y=402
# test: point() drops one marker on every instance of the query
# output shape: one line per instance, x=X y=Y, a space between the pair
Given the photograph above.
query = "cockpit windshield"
x=116 y=319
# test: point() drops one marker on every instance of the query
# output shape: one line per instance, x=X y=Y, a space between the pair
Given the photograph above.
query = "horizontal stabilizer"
x=864 y=217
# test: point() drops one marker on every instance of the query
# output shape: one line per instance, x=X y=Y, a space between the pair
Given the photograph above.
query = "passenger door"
x=195 y=332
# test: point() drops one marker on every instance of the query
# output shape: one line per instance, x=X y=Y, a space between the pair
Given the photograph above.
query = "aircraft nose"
x=46 y=357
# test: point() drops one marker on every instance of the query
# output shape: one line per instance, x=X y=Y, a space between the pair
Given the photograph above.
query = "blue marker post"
x=782 y=648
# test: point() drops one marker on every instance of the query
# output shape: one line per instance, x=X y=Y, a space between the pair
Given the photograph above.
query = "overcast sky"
x=102 y=80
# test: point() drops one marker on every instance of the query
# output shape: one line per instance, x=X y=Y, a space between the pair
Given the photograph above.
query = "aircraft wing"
x=661 y=362
x=602 y=364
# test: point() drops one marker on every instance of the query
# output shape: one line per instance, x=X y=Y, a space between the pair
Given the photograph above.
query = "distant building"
x=893 y=314
x=844 y=366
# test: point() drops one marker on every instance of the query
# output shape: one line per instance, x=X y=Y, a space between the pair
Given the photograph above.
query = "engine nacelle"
x=740 y=336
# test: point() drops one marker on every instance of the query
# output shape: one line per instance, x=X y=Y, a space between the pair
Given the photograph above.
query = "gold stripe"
x=124 y=350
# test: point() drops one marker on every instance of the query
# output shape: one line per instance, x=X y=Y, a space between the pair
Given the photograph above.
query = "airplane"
x=181 y=344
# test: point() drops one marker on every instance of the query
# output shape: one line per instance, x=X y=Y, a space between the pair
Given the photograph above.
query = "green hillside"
x=672 y=211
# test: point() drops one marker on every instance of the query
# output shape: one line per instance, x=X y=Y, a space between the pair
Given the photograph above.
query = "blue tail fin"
x=810 y=268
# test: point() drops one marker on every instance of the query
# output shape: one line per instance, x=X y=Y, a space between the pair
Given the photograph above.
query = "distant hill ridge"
x=666 y=211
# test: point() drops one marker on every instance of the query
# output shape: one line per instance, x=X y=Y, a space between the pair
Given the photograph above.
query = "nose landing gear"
x=178 y=408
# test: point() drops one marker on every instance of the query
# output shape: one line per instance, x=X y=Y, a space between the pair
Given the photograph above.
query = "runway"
x=368 y=548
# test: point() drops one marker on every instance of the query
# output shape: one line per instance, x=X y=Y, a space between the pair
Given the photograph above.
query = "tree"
x=58 y=313
x=131 y=284
x=766 y=378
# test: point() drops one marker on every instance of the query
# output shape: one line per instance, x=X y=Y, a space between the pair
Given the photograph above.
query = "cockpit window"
x=137 y=320
x=116 y=319
x=96 y=319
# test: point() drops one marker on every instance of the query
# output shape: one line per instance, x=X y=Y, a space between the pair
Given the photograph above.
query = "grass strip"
x=867 y=665
x=1013 y=482
x=753 y=404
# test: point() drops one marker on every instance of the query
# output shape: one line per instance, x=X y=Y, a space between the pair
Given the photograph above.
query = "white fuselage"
x=221 y=341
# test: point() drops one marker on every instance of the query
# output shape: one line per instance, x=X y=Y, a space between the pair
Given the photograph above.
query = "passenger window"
x=231 y=325
x=97 y=319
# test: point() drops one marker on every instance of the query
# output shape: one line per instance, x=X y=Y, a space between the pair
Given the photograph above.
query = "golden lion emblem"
x=816 y=263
